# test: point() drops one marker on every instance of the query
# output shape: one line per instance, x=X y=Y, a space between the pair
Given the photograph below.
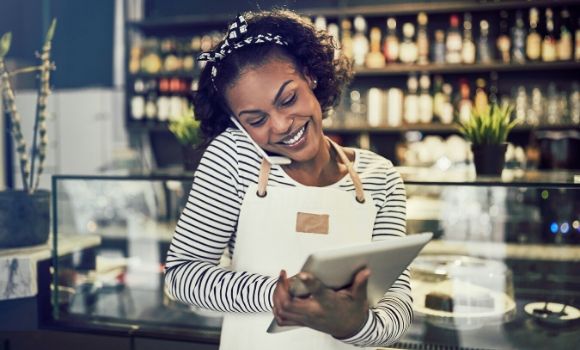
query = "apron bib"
x=278 y=230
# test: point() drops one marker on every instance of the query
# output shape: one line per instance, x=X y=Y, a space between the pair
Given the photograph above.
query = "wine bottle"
x=439 y=47
x=360 y=43
x=411 y=105
x=484 y=49
x=422 y=39
x=375 y=58
x=565 y=42
x=465 y=103
x=534 y=40
x=549 y=52
x=347 y=45
x=425 y=100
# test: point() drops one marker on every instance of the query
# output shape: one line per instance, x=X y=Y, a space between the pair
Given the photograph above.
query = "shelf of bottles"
x=444 y=64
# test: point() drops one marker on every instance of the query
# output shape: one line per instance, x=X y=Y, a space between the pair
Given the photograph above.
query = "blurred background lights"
x=565 y=227
x=545 y=194
x=576 y=224
x=554 y=227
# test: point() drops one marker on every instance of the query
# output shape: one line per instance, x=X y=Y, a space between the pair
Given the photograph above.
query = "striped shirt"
x=207 y=228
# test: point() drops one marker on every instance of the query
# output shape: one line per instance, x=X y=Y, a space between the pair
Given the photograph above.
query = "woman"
x=276 y=76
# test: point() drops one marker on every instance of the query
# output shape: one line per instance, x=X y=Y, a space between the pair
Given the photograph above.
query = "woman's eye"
x=289 y=101
x=257 y=122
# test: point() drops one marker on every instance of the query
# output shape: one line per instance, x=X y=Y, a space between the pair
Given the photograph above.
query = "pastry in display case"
x=502 y=271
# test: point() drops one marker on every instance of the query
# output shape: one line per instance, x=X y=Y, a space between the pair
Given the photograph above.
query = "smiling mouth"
x=296 y=137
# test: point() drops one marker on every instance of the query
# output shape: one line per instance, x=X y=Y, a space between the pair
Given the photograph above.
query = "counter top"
x=18 y=277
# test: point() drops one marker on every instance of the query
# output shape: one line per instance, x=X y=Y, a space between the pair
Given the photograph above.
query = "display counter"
x=502 y=272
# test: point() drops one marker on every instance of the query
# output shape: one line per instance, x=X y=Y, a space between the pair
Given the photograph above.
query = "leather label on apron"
x=312 y=223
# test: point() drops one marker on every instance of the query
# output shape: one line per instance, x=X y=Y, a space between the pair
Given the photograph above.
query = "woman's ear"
x=310 y=79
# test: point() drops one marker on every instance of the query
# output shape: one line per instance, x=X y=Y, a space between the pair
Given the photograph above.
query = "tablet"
x=387 y=259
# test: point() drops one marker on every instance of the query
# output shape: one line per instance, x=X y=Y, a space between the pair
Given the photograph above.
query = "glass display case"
x=503 y=270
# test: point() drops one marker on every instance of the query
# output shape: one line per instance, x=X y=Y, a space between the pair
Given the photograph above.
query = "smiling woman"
x=277 y=78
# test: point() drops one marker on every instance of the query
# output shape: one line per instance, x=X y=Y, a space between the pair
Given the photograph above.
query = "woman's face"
x=276 y=105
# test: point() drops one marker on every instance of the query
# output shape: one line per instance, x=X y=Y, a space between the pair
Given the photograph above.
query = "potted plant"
x=25 y=214
x=186 y=130
x=487 y=130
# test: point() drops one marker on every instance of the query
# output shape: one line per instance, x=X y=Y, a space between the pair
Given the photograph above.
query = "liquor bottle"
x=536 y=112
x=518 y=40
x=408 y=53
x=534 y=40
x=391 y=44
x=151 y=101
x=468 y=46
x=577 y=40
x=521 y=107
x=422 y=39
x=394 y=107
x=447 y=105
x=465 y=104
x=411 y=105
x=552 y=105
x=375 y=113
x=163 y=107
x=438 y=96
x=484 y=49
x=347 y=45
x=360 y=43
x=453 y=43
x=549 y=42
x=425 y=100
x=481 y=100
x=439 y=47
x=375 y=58
x=320 y=23
x=138 y=100
x=334 y=32
x=565 y=42
x=503 y=41
x=574 y=103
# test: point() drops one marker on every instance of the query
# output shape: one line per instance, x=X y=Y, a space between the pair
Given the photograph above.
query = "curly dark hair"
x=309 y=49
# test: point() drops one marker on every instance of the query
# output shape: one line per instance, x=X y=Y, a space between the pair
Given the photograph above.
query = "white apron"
x=267 y=241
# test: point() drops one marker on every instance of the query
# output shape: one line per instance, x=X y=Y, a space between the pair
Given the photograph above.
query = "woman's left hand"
x=341 y=313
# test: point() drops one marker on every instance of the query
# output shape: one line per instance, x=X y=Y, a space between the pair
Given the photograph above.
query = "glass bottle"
x=518 y=39
x=447 y=105
x=521 y=107
x=438 y=96
x=503 y=41
x=534 y=40
x=425 y=100
x=552 y=115
x=565 y=42
x=422 y=39
x=493 y=88
x=577 y=40
x=549 y=42
x=468 y=46
x=334 y=32
x=536 y=112
x=394 y=107
x=484 y=49
x=453 y=42
x=481 y=99
x=163 y=102
x=320 y=23
x=411 y=104
x=347 y=45
x=408 y=52
x=439 y=47
x=391 y=44
x=151 y=101
x=360 y=43
x=375 y=58
x=574 y=104
x=138 y=100
x=465 y=103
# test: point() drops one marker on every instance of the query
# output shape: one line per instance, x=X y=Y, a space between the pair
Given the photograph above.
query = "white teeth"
x=296 y=137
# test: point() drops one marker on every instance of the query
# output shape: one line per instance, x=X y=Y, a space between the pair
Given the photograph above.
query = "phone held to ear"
x=271 y=159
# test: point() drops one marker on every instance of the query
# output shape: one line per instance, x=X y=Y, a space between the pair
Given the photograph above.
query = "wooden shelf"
x=408 y=8
x=401 y=69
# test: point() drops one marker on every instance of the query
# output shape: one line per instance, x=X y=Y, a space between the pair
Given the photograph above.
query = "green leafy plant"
x=490 y=125
x=28 y=170
x=186 y=129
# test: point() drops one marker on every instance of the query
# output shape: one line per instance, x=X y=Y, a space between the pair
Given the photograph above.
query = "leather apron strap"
x=360 y=195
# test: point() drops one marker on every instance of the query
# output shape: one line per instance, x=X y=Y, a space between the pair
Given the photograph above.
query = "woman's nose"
x=281 y=123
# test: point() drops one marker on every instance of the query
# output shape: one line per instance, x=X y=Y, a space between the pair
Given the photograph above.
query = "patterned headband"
x=235 y=39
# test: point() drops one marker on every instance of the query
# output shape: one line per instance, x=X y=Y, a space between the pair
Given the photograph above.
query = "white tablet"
x=387 y=259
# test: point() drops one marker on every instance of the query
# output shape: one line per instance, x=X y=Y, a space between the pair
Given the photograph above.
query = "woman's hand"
x=340 y=313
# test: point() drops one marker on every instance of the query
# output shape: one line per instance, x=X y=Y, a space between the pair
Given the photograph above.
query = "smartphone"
x=280 y=160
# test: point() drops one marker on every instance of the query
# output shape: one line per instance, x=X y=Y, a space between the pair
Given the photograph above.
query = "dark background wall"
x=83 y=42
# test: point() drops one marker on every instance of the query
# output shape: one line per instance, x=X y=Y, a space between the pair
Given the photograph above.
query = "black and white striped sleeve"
x=204 y=230
x=393 y=314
